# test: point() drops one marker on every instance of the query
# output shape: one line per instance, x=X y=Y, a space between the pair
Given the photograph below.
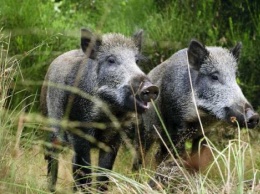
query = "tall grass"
x=234 y=169
x=14 y=144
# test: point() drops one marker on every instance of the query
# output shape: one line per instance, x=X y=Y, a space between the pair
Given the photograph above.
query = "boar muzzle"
x=148 y=92
x=252 y=118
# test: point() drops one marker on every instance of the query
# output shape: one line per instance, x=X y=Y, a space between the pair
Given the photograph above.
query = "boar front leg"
x=81 y=163
x=106 y=161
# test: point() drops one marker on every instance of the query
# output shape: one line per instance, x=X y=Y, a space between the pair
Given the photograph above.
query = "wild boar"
x=208 y=75
x=105 y=70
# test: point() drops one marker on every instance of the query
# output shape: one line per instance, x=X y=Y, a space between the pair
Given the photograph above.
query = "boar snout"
x=252 y=118
x=148 y=92
x=245 y=115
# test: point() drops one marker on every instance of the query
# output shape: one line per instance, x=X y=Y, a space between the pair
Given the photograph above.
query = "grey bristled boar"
x=217 y=94
x=105 y=70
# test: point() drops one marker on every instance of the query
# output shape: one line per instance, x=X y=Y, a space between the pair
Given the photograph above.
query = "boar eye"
x=111 y=59
x=214 y=77
x=137 y=61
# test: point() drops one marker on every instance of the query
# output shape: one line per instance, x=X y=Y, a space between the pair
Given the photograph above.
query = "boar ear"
x=138 y=39
x=236 y=50
x=89 y=43
x=197 y=53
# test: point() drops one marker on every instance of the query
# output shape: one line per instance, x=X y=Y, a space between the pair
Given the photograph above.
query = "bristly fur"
x=113 y=40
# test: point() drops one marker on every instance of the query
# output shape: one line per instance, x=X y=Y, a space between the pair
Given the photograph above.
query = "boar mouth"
x=140 y=106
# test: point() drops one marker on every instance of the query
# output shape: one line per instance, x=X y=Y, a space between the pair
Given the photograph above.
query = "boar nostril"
x=149 y=93
x=253 y=121
x=251 y=117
